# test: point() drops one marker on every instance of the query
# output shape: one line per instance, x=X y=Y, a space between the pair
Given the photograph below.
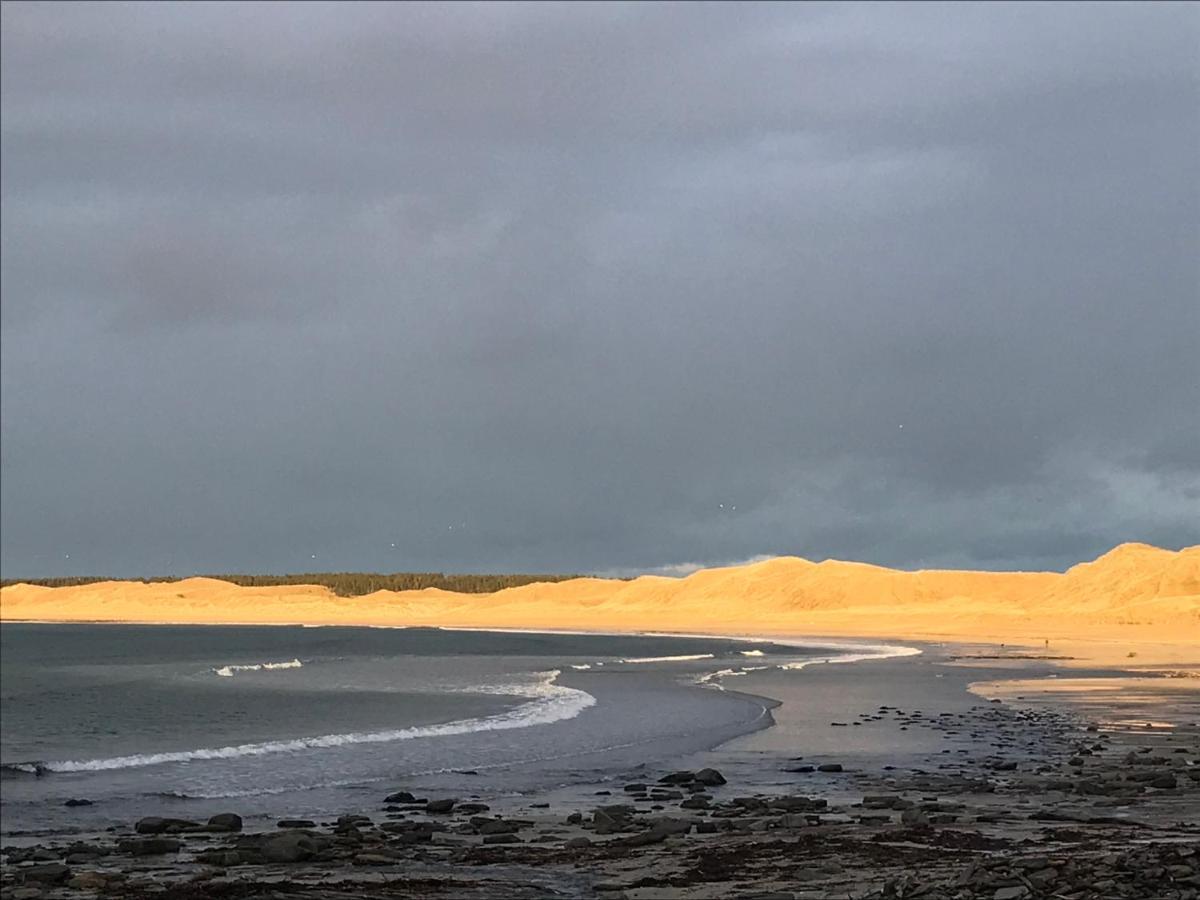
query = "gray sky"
x=556 y=288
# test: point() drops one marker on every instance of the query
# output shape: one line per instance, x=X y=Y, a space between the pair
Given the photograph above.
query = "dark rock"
x=880 y=801
x=159 y=825
x=471 y=809
x=710 y=778
x=225 y=822
x=659 y=831
x=296 y=823
x=440 y=807
x=288 y=847
x=609 y=819
x=830 y=767
x=497 y=826
x=89 y=881
x=400 y=797
x=678 y=778
x=373 y=859
x=53 y=873
x=78 y=802
x=914 y=817
x=797 y=804
x=502 y=839
x=219 y=857
x=151 y=846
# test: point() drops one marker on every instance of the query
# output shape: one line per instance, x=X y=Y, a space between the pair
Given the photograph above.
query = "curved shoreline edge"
x=524 y=715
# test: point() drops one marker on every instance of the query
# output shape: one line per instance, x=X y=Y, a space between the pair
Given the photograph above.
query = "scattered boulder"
x=78 y=801
x=496 y=826
x=373 y=859
x=710 y=778
x=288 y=847
x=678 y=778
x=880 y=801
x=610 y=819
x=150 y=846
x=502 y=839
x=218 y=857
x=160 y=825
x=913 y=817
x=659 y=831
x=439 y=807
x=51 y=873
x=88 y=881
x=225 y=822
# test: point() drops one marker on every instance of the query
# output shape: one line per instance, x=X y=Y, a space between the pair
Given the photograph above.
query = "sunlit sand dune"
x=1135 y=594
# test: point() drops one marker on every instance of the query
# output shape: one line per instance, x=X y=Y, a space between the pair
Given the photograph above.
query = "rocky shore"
x=1024 y=803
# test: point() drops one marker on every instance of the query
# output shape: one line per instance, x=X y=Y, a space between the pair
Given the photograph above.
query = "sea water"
x=271 y=721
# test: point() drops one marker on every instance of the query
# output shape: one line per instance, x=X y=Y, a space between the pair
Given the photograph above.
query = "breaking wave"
x=655 y=659
x=22 y=769
x=548 y=703
x=872 y=651
x=227 y=671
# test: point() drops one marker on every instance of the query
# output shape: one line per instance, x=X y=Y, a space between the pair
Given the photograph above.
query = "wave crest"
x=548 y=703
x=227 y=671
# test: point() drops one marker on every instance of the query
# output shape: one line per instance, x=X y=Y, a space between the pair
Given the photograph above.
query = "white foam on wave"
x=582 y=666
x=851 y=652
x=548 y=703
x=227 y=671
x=654 y=659
x=712 y=677
x=868 y=651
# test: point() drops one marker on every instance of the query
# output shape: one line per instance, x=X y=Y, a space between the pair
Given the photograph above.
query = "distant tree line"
x=344 y=584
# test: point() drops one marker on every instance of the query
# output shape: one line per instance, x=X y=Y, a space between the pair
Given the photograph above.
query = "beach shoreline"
x=898 y=749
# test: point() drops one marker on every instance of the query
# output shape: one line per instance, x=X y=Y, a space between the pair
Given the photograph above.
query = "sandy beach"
x=1137 y=604
x=1044 y=742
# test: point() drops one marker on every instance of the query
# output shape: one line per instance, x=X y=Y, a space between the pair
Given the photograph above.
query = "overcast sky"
x=596 y=288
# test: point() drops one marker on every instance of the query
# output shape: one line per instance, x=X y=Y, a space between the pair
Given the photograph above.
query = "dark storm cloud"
x=560 y=286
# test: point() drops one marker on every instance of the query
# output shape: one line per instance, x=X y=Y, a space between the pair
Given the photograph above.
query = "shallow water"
x=274 y=720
